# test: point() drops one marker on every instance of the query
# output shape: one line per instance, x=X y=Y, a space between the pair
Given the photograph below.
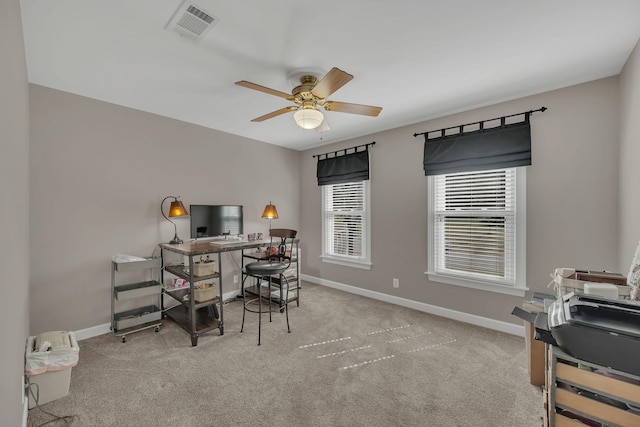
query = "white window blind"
x=345 y=221
x=475 y=225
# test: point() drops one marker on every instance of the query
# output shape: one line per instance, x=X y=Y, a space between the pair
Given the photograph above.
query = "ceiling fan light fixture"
x=310 y=96
x=308 y=118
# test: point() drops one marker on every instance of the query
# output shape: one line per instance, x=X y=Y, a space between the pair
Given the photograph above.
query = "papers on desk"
x=120 y=258
x=539 y=302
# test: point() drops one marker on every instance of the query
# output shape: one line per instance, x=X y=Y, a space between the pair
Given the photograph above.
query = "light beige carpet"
x=349 y=361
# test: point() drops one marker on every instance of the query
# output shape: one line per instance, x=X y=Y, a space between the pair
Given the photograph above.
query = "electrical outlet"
x=396 y=283
x=235 y=278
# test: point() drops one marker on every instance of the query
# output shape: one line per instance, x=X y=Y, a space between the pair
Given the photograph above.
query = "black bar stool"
x=271 y=268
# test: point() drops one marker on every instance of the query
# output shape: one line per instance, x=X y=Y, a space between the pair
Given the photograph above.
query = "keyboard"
x=228 y=242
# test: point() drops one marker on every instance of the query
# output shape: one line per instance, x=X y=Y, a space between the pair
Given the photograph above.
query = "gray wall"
x=572 y=200
x=14 y=216
x=629 y=177
x=98 y=175
x=99 y=172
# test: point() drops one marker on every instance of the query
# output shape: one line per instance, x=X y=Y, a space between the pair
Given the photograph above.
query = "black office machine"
x=596 y=329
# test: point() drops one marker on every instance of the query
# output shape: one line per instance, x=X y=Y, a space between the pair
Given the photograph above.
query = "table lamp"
x=270 y=212
x=176 y=209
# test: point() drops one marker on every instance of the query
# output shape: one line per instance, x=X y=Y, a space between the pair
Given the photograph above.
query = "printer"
x=596 y=329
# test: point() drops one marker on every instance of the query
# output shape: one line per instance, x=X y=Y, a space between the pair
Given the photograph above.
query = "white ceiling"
x=418 y=59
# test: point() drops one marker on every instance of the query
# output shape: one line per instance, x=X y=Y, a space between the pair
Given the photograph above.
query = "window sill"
x=474 y=284
x=364 y=265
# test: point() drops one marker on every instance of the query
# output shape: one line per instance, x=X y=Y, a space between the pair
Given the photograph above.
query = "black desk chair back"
x=270 y=270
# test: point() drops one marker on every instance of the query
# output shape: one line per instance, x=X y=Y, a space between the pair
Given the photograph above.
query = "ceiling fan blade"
x=264 y=89
x=345 y=107
x=331 y=82
x=275 y=113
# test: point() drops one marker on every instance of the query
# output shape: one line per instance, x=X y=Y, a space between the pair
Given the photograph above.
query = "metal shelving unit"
x=129 y=320
x=189 y=314
x=202 y=321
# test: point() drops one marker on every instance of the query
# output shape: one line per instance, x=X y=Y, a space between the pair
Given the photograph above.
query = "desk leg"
x=192 y=302
x=162 y=315
x=242 y=277
x=221 y=327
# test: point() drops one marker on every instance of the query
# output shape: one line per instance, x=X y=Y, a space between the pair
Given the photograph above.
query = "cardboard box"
x=534 y=348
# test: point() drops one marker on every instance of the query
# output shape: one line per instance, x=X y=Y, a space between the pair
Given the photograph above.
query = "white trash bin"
x=48 y=362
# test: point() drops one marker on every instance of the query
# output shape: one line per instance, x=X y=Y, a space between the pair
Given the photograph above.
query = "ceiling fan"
x=310 y=96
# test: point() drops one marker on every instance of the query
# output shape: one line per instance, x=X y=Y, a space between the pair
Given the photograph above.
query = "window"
x=345 y=224
x=477 y=229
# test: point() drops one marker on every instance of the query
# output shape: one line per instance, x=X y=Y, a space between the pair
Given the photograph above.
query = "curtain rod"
x=481 y=123
x=345 y=150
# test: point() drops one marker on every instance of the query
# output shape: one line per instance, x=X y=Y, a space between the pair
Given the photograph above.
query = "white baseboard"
x=105 y=328
x=497 y=325
x=93 y=331
x=25 y=411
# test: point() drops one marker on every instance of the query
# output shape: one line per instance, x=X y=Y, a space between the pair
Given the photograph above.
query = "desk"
x=188 y=313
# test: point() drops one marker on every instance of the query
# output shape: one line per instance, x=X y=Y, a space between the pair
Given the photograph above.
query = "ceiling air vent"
x=191 y=21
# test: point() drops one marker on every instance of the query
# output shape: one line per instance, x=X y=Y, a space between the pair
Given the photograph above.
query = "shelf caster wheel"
x=194 y=340
x=157 y=328
x=124 y=339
